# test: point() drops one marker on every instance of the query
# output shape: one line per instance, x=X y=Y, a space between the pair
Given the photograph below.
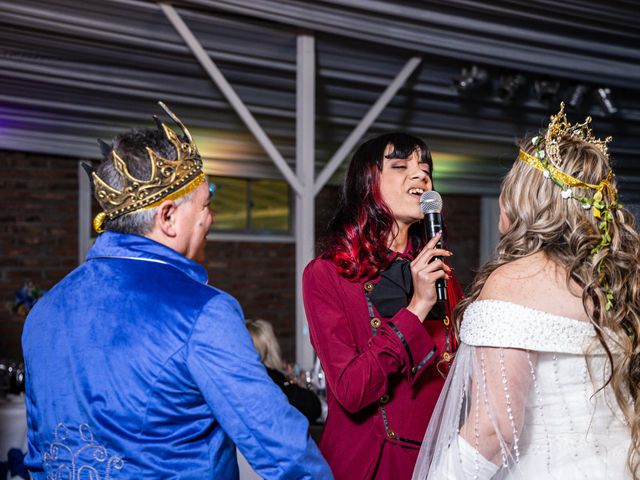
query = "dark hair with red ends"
x=357 y=235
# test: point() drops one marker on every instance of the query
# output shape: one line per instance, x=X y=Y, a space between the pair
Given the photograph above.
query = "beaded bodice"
x=496 y=323
x=570 y=425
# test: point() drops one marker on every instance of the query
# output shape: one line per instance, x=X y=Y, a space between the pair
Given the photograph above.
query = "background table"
x=13 y=437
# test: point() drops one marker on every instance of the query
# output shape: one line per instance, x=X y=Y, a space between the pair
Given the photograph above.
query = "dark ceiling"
x=72 y=71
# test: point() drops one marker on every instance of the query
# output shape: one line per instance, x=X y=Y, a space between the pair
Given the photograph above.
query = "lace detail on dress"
x=496 y=323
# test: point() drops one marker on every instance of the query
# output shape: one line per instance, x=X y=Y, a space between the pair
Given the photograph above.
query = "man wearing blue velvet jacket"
x=136 y=368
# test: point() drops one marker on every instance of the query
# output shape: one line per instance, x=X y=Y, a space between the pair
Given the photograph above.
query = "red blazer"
x=382 y=388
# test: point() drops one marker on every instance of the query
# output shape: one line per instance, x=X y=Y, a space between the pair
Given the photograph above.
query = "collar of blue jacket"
x=137 y=247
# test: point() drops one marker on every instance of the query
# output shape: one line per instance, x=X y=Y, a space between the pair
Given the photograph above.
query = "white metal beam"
x=489 y=234
x=305 y=200
x=84 y=214
x=218 y=78
x=357 y=133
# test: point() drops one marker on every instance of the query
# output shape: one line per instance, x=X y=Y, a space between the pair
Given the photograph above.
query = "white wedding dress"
x=522 y=402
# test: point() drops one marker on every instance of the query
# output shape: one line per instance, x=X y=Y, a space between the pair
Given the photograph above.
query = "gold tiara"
x=560 y=127
x=547 y=159
x=169 y=180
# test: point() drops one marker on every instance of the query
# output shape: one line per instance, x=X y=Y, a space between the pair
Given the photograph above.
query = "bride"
x=546 y=381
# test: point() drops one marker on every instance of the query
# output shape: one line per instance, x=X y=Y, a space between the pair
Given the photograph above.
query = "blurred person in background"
x=266 y=343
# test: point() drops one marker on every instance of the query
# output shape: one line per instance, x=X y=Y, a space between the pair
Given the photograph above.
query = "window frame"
x=247 y=235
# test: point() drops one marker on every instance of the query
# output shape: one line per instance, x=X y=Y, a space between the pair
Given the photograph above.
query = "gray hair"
x=131 y=147
x=139 y=222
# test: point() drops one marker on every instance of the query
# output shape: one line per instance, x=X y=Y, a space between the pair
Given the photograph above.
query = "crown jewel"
x=560 y=127
x=170 y=179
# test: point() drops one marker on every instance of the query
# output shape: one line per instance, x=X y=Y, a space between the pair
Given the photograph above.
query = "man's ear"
x=166 y=218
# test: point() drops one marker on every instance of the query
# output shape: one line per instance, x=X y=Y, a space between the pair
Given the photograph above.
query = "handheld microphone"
x=431 y=205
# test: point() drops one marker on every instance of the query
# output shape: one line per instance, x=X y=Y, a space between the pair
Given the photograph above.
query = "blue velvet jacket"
x=137 y=369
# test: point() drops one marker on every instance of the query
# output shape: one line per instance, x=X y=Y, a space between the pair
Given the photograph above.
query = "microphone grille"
x=430 y=202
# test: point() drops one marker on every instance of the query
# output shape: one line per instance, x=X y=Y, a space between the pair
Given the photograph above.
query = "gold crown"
x=560 y=127
x=170 y=179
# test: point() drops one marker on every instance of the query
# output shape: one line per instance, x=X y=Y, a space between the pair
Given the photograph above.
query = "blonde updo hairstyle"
x=266 y=343
x=543 y=221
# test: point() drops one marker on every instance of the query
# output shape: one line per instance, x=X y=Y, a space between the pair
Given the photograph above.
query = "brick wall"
x=462 y=217
x=38 y=230
x=262 y=277
x=39 y=242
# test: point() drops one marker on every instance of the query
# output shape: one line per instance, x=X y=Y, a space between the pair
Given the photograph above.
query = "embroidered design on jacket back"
x=78 y=458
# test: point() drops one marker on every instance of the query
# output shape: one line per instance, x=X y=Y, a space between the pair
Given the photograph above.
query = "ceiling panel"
x=72 y=71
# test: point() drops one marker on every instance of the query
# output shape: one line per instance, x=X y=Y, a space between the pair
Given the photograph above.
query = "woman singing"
x=383 y=341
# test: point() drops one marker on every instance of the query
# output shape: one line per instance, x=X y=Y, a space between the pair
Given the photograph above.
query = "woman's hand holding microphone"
x=424 y=273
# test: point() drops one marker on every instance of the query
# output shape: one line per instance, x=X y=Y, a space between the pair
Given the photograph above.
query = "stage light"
x=604 y=96
x=511 y=87
x=577 y=95
x=546 y=91
x=471 y=80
